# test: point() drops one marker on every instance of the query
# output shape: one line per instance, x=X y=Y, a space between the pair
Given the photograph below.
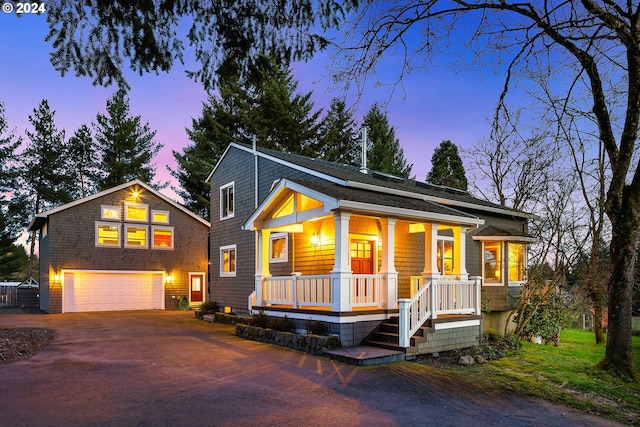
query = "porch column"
x=341 y=273
x=388 y=268
x=430 y=251
x=460 y=251
x=262 y=264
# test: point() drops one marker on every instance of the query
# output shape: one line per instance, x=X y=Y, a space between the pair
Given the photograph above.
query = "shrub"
x=495 y=346
x=280 y=324
x=260 y=320
x=209 y=307
x=315 y=328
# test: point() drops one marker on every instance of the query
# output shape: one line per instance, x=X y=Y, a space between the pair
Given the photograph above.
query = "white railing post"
x=403 y=328
x=478 y=289
x=433 y=297
x=294 y=290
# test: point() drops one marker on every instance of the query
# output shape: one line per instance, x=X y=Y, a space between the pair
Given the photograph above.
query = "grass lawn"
x=567 y=374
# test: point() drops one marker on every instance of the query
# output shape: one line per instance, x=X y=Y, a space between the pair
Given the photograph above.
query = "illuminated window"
x=44 y=230
x=445 y=256
x=228 y=261
x=162 y=237
x=517 y=262
x=107 y=234
x=226 y=201
x=279 y=247
x=136 y=236
x=492 y=261
x=159 y=217
x=110 y=212
x=136 y=212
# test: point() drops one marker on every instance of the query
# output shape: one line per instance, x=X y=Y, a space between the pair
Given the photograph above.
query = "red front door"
x=362 y=256
x=196 y=284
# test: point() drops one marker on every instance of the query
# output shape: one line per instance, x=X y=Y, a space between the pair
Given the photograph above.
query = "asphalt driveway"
x=167 y=368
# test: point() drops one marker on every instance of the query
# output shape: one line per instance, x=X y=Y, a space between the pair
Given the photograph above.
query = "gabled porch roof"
x=333 y=196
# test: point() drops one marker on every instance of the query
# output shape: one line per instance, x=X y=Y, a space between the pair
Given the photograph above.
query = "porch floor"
x=363 y=355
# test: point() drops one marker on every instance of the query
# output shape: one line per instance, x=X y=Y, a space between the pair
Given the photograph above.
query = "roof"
x=491 y=232
x=336 y=196
x=40 y=218
x=350 y=176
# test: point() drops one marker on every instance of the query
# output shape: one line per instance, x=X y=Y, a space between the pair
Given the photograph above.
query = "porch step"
x=387 y=336
x=365 y=355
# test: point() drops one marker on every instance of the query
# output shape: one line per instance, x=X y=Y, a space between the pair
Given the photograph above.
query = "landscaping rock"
x=480 y=360
x=466 y=360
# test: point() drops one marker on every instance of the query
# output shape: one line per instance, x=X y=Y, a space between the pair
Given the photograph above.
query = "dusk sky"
x=434 y=106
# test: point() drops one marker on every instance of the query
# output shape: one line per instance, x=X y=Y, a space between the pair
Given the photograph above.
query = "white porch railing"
x=315 y=291
x=447 y=296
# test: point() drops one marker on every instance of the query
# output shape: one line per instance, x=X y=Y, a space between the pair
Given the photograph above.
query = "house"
x=372 y=255
x=126 y=248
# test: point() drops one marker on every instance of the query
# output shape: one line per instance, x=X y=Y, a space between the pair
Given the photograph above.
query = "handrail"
x=414 y=312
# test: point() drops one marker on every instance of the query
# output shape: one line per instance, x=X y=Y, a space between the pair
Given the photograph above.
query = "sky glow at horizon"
x=434 y=106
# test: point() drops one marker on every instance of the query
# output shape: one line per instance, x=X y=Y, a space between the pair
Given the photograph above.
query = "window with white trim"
x=445 y=255
x=492 y=262
x=108 y=234
x=159 y=217
x=161 y=237
x=227 y=200
x=228 y=261
x=136 y=236
x=279 y=247
x=136 y=212
x=517 y=262
x=110 y=212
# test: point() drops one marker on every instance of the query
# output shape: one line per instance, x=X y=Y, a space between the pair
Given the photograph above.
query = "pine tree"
x=338 y=141
x=13 y=257
x=210 y=134
x=126 y=147
x=281 y=118
x=43 y=180
x=385 y=153
x=9 y=143
x=447 y=168
x=84 y=160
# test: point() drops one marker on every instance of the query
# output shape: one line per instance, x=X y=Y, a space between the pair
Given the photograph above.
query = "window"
x=492 y=261
x=279 y=247
x=226 y=201
x=445 y=256
x=228 y=261
x=136 y=236
x=159 y=217
x=110 y=212
x=517 y=262
x=44 y=230
x=107 y=234
x=162 y=237
x=136 y=212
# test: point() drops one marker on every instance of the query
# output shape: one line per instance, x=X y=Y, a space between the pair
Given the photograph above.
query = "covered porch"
x=343 y=260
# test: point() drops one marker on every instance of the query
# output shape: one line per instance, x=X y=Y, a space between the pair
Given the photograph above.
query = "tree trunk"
x=596 y=300
x=624 y=243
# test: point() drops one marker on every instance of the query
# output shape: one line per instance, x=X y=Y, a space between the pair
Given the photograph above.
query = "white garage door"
x=107 y=291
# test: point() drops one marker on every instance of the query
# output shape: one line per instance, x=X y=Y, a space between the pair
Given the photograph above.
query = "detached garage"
x=126 y=248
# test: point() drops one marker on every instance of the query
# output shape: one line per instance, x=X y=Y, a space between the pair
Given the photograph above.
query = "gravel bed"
x=22 y=343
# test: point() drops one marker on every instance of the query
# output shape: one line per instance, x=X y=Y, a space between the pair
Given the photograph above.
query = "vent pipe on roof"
x=363 y=168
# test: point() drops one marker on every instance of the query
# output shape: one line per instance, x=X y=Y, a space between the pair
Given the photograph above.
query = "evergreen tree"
x=210 y=134
x=43 y=180
x=13 y=258
x=84 y=160
x=281 y=118
x=447 y=168
x=8 y=145
x=338 y=141
x=126 y=147
x=385 y=153
x=265 y=106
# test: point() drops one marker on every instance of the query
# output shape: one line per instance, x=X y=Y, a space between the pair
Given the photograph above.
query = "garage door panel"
x=103 y=291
